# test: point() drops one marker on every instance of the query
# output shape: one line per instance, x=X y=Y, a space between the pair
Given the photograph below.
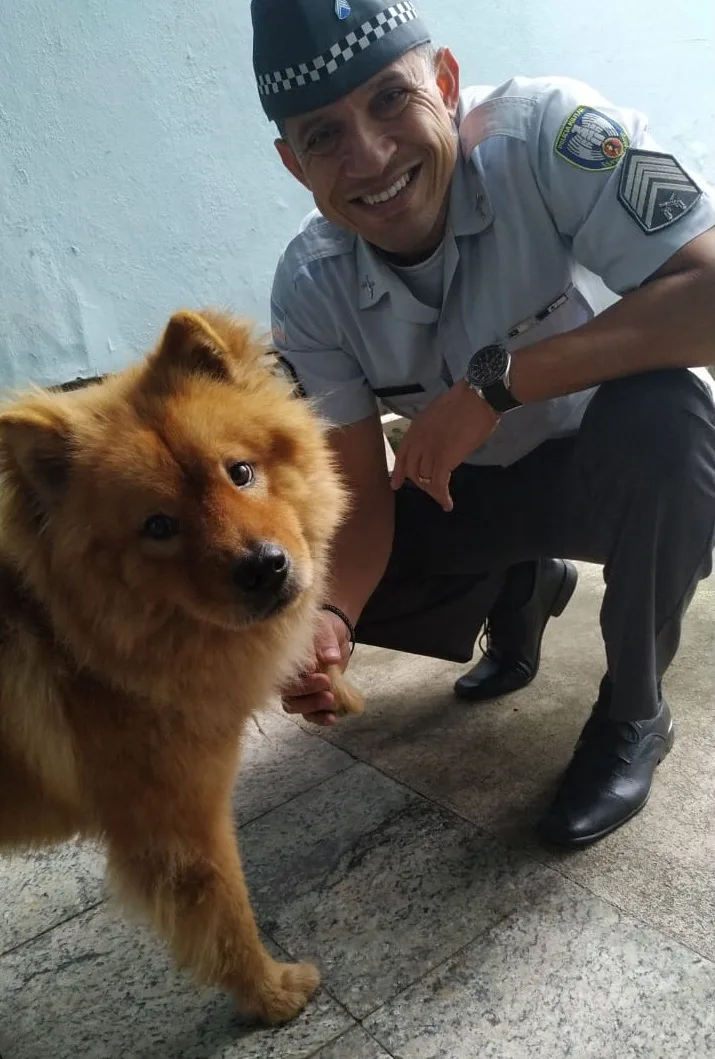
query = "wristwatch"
x=488 y=375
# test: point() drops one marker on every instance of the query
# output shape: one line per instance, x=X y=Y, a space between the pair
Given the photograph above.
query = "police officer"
x=529 y=278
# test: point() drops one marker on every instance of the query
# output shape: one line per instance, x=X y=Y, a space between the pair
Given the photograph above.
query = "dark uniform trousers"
x=633 y=490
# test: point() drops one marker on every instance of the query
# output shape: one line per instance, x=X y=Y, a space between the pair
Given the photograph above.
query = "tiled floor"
x=396 y=852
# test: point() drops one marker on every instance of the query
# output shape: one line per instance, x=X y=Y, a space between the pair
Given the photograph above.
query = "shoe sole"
x=587 y=840
x=559 y=605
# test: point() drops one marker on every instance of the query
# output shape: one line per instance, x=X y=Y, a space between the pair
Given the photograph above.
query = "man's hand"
x=440 y=438
x=311 y=693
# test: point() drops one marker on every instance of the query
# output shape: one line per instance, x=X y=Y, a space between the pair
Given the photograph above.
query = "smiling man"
x=526 y=275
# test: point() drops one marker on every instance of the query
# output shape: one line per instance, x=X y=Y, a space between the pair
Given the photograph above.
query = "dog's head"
x=195 y=482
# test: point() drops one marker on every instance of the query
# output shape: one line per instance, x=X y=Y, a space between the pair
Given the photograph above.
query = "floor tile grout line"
x=552 y=867
x=363 y=835
x=379 y=1043
x=372 y=1038
x=360 y=1020
x=48 y=930
x=314 y=786
x=355 y=1022
x=524 y=852
x=325 y=1044
x=241 y=824
x=334 y=1040
x=662 y=931
x=429 y=799
x=438 y=966
x=402 y=992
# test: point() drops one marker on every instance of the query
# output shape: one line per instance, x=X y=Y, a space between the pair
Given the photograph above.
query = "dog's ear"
x=190 y=346
x=36 y=442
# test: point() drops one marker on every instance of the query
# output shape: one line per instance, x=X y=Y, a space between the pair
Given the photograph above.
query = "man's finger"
x=397 y=478
x=309 y=704
x=309 y=684
x=327 y=645
x=441 y=491
x=438 y=488
x=323 y=715
x=325 y=720
x=329 y=653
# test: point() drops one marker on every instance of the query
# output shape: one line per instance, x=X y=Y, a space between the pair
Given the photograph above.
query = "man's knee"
x=653 y=426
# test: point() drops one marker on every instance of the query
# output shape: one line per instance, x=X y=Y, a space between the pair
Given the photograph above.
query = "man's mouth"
x=390 y=192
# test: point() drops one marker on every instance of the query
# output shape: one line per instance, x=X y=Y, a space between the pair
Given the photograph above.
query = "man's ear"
x=36 y=443
x=290 y=161
x=446 y=70
x=190 y=346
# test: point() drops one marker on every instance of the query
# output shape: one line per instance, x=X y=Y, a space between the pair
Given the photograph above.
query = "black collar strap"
x=345 y=619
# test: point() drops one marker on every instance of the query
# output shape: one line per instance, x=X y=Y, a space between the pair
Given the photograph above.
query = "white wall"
x=137 y=172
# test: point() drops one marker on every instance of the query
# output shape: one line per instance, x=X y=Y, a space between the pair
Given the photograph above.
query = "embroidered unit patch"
x=591 y=140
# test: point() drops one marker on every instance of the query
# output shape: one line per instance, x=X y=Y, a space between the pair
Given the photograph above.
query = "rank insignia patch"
x=656 y=190
x=591 y=140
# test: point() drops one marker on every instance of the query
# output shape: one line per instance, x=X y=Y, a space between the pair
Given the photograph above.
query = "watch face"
x=487 y=366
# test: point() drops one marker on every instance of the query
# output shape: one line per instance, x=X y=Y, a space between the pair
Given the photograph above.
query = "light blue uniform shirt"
x=530 y=228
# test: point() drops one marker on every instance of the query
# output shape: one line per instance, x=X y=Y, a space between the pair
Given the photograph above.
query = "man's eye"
x=322 y=141
x=392 y=99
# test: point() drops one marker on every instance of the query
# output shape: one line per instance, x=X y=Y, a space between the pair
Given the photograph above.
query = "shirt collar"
x=470 y=212
x=376 y=279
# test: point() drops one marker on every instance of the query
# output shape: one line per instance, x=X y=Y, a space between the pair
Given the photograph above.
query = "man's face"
x=379 y=161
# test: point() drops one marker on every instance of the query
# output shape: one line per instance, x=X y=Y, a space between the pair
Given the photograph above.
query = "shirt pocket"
x=570 y=310
x=407 y=400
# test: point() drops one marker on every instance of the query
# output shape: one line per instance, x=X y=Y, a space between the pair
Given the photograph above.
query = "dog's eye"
x=160 y=527
x=241 y=474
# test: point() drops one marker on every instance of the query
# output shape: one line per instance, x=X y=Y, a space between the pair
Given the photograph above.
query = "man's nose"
x=368 y=150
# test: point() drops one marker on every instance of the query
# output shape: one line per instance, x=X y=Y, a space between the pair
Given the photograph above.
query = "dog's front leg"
x=197 y=899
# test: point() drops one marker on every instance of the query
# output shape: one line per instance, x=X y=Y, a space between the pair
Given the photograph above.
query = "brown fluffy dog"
x=163 y=540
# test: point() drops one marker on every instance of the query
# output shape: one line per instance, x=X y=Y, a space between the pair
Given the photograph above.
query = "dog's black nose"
x=263 y=568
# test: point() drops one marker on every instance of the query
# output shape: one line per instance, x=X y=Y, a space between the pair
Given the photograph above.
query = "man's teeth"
x=385 y=196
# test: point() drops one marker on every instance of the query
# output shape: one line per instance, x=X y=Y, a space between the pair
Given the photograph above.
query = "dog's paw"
x=348 y=699
x=282 y=993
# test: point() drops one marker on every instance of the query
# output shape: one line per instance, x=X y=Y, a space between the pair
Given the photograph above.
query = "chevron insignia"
x=655 y=189
x=342 y=9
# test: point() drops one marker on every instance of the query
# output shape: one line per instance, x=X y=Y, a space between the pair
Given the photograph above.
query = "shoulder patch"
x=655 y=189
x=591 y=140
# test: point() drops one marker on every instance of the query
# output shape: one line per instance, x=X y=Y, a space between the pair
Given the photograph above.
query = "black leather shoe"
x=512 y=651
x=609 y=778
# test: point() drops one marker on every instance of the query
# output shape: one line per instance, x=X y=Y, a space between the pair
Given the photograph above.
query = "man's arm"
x=359 y=557
x=363 y=545
x=668 y=322
x=309 y=338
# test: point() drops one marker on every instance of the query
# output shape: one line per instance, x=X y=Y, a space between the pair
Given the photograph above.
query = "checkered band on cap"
x=309 y=53
x=342 y=52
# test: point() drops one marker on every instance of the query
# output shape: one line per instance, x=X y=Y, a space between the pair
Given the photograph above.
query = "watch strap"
x=500 y=397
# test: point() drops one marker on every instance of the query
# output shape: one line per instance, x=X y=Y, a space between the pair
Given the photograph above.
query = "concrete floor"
x=396 y=851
